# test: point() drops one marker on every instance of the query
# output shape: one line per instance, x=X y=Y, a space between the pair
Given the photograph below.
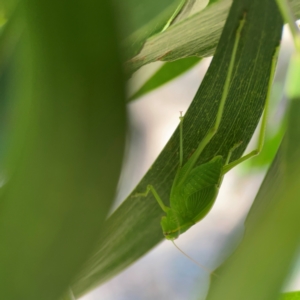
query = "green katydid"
x=195 y=188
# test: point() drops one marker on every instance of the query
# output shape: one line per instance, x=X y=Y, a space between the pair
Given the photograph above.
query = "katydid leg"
x=150 y=188
x=231 y=151
x=213 y=130
x=262 y=132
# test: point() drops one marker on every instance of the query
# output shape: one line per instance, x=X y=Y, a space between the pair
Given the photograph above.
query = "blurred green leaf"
x=2 y=18
x=290 y=296
x=194 y=36
x=67 y=126
x=265 y=256
x=141 y=19
x=7 y=7
x=68 y=296
x=9 y=36
x=213 y=1
x=142 y=13
x=166 y=73
x=134 y=228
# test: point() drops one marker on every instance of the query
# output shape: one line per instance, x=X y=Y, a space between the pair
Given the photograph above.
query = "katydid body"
x=195 y=189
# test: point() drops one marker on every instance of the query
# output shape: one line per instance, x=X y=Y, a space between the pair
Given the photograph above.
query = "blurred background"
x=153 y=118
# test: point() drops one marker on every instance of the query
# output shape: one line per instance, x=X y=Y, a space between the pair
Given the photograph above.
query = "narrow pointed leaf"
x=66 y=141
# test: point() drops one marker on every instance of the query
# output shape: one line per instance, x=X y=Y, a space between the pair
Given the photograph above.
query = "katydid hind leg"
x=231 y=151
x=212 y=131
x=262 y=132
x=227 y=161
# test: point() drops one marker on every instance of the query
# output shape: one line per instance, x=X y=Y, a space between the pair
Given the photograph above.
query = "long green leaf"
x=66 y=144
x=134 y=228
x=195 y=36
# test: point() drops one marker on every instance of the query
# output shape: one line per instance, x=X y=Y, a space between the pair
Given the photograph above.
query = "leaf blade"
x=63 y=164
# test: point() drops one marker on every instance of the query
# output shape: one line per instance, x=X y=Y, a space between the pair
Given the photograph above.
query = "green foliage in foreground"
x=64 y=139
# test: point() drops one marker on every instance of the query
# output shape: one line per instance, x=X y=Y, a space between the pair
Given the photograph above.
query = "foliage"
x=63 y=125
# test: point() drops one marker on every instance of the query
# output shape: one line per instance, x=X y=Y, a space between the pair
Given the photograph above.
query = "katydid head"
x=171 y=235
x=173 y=225
x=170 y=227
